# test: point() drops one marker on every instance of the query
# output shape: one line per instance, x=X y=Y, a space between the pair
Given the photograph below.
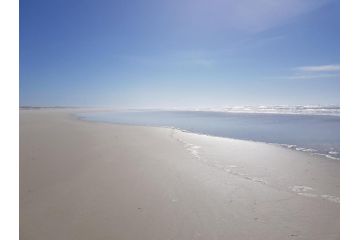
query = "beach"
x=92 y=180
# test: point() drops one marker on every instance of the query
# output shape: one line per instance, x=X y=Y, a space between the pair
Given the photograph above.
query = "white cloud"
x=313 y=76
x=315 y=72
x=320 y=68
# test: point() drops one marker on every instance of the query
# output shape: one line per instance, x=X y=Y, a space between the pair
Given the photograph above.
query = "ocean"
x=312 y=133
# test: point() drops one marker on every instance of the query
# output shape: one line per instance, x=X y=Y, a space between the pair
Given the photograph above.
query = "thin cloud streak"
x=321 y=68
x=318 y=76
x=315 y=72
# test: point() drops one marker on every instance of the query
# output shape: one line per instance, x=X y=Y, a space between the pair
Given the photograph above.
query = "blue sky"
x=189 y=53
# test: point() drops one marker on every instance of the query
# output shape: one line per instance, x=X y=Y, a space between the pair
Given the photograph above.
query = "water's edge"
x=283 y=145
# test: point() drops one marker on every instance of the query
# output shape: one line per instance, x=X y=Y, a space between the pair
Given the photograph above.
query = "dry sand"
x=84 y=180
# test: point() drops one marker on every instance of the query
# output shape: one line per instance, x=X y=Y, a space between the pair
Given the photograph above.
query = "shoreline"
x=291 y=147
x=93 y=180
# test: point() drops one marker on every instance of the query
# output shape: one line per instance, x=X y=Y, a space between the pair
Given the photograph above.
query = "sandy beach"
x=88 y=180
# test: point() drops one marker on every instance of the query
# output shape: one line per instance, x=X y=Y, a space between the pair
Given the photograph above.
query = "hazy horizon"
x=186 y=54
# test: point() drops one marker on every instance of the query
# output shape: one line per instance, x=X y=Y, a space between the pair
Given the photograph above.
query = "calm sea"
x=317 y=134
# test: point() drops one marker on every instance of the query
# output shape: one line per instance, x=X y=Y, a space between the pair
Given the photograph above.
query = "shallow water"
x=317 y=134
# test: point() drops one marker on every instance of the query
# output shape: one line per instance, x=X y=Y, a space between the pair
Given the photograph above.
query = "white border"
x=349 y=48
x=9 y=102
x=9 y=132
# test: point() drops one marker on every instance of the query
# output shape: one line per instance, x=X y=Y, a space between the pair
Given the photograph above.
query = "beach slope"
x=87 y=180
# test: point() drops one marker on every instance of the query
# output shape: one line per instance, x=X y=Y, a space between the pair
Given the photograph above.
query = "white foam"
x=290 y=146
x=311 y=150
x=308 y=195
x=193 y=149
x=331 y=198
x=305 y=149
x=301 y=188
x=232 y=166
x=307 y=191
x=330 y=110
x=256 y=179
x=327 y=156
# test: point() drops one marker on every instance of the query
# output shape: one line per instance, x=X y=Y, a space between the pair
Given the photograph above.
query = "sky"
x=188 y=53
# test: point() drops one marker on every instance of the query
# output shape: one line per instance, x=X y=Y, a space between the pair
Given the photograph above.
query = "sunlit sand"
x=88 y=180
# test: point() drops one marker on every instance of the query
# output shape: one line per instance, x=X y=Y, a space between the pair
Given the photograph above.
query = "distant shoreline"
x=325 y=110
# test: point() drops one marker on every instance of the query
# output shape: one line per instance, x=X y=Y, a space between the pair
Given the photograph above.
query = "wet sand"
x=86 y=180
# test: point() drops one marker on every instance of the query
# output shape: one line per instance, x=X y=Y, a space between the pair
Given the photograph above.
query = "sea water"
x=313 y=133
